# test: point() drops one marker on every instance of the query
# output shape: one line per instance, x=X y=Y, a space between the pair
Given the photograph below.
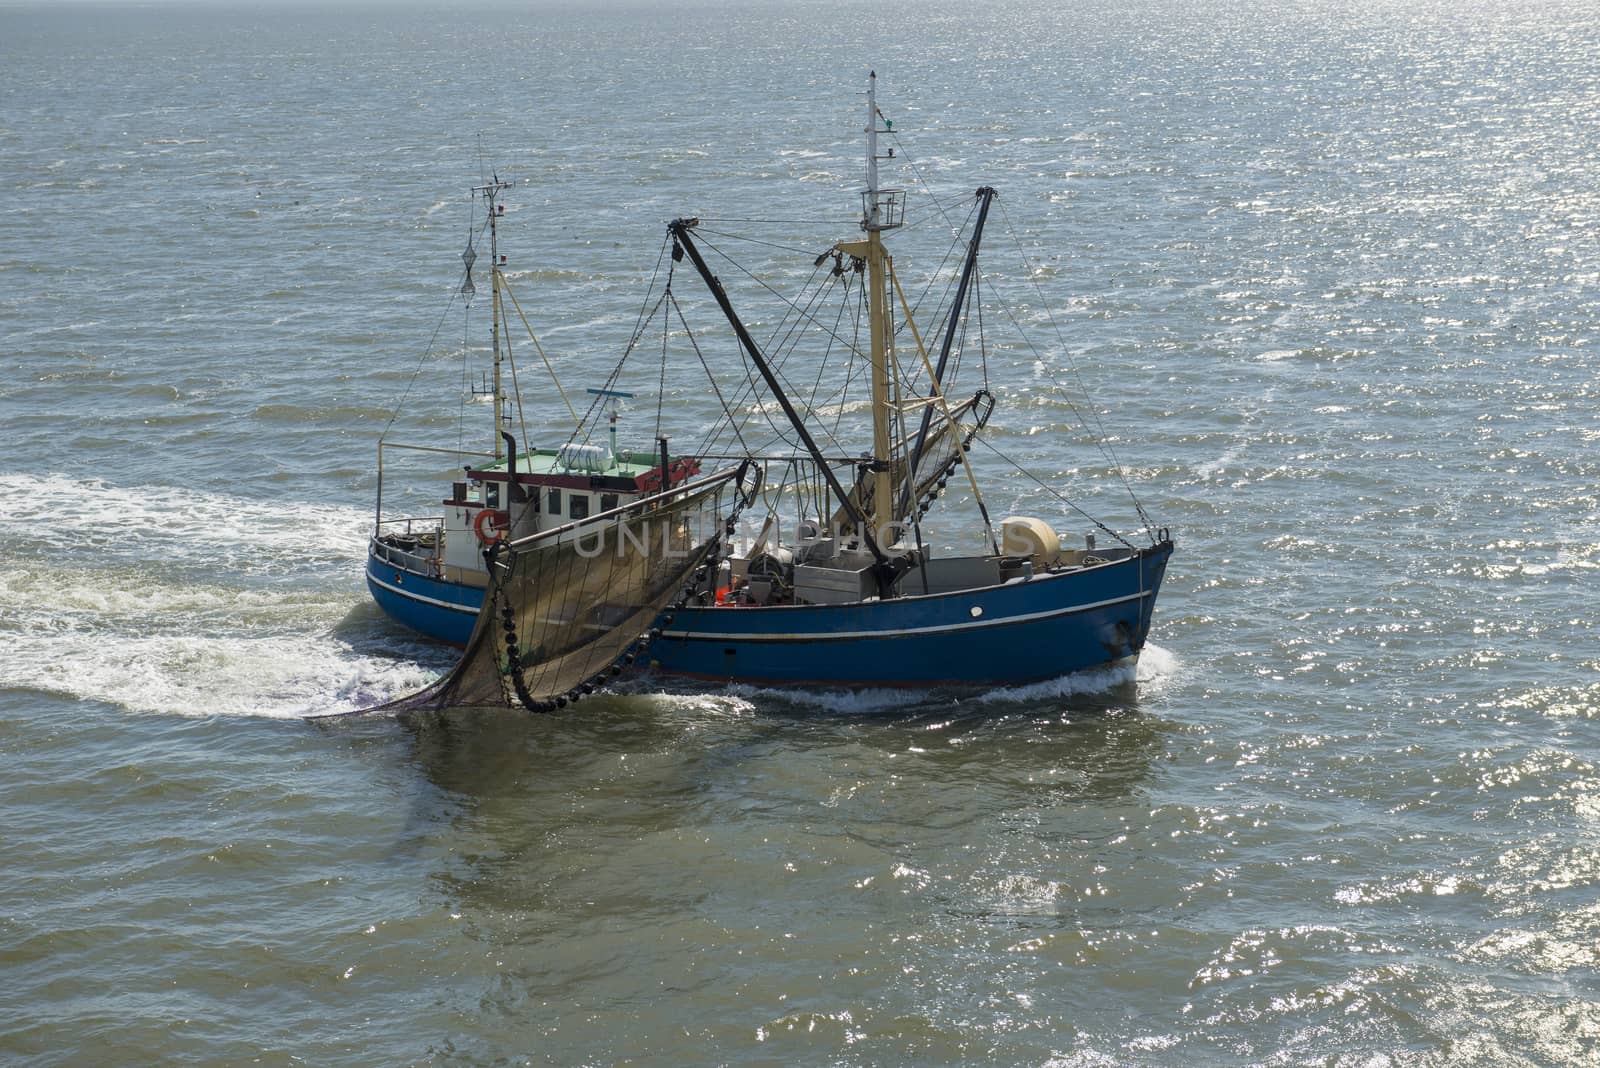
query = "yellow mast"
x=882 y=490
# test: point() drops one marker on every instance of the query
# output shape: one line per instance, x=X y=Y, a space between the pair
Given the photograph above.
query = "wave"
x=188 y=675
x=123 y=638
x=1154 y=666
x=167 y=526
x=162 y=600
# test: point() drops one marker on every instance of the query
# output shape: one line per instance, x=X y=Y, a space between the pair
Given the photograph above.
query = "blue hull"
x=1025 y=631
x=444 y=610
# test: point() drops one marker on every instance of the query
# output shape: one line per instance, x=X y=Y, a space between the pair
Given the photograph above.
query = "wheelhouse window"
x=491 y=494
x=608 y=501
x=552 y=501
x=578 y=506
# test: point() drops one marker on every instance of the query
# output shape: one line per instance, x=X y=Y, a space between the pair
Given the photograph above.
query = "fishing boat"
x=803 y=561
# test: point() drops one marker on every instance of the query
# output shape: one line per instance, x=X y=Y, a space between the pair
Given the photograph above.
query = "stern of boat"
x=410 y=583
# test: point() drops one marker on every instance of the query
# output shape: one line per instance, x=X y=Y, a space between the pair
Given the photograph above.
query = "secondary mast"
x=490 y=194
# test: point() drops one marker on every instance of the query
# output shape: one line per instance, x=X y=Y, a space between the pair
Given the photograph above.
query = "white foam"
x=1154 y=666
x=1221 y=463
x=284 y=676
x=717 y=703
x=837 y=702
x=121 y=638
x=170 y=524
x=740 y=699
x=121 y=623
x=130 y=598
x=1095 y=680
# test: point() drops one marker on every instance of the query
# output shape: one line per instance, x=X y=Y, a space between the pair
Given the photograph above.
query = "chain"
x=508 y=617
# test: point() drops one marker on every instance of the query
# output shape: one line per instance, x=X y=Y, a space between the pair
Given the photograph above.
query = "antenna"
x=881 y=209
x=617 y=396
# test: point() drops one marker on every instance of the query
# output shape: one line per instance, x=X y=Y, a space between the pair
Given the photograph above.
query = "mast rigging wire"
x=1102 y=440
x=1057 y=494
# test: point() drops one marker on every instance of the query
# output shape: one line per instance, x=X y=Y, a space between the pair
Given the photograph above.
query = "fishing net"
x=568 y=608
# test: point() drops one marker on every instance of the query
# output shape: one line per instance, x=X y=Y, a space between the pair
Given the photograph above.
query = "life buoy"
x=497 y=521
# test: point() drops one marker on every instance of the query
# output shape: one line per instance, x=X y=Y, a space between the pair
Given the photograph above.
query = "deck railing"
x=419 y=530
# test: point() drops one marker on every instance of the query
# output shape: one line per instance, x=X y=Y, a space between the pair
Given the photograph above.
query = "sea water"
x=1328 y=276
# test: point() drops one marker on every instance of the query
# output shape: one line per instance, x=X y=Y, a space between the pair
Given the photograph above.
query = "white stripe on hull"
x=408 y=595
x=853 y=635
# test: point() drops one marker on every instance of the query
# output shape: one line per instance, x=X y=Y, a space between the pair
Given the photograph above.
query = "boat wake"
x=168 y=526
x=279 y=677
x=155 y=600
x=1154 y=666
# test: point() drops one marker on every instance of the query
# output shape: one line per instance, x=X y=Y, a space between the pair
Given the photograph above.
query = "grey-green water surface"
x=1330 y=274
